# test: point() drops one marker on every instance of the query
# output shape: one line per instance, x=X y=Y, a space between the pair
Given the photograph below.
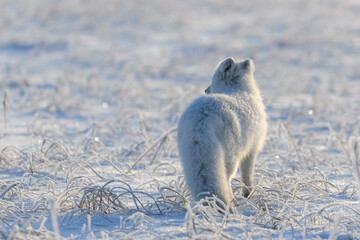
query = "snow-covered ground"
x=91 y=92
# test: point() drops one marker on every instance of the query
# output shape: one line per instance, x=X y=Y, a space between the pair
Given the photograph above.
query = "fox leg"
x=247 y=169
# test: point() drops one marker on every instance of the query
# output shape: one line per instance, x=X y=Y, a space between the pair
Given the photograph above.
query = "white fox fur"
x=222 y=131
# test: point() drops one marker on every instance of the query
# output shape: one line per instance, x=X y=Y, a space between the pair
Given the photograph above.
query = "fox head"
x=232 y=77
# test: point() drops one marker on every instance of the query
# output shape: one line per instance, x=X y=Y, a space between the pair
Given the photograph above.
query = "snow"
x=89 y=88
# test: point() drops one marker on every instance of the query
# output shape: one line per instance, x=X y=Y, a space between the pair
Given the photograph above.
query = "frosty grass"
x=91 y=92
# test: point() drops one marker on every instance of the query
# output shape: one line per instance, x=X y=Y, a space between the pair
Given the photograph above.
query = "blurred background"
x=109 y=55
x=182 y=41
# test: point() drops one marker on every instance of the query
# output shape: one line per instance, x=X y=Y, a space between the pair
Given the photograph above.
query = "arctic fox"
x=222 y=131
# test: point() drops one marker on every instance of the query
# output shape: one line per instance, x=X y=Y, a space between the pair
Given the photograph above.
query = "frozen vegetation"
x=91 y=93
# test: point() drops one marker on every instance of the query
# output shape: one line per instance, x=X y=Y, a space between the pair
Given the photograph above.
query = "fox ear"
x=248 y=64
x=226 y=68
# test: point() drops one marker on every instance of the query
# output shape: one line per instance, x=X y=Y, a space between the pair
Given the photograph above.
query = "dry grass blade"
x=8 y=189
x=55 y=151
x=13 y=156
x=172 y=198
x=335 y=226
x=301 y=185
x=54 y=218
x=333 y=133
x=339 y=205
x=161 y=139
x=164 y=169
x=355 y=157
x=158 y=149
x=293 y=143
